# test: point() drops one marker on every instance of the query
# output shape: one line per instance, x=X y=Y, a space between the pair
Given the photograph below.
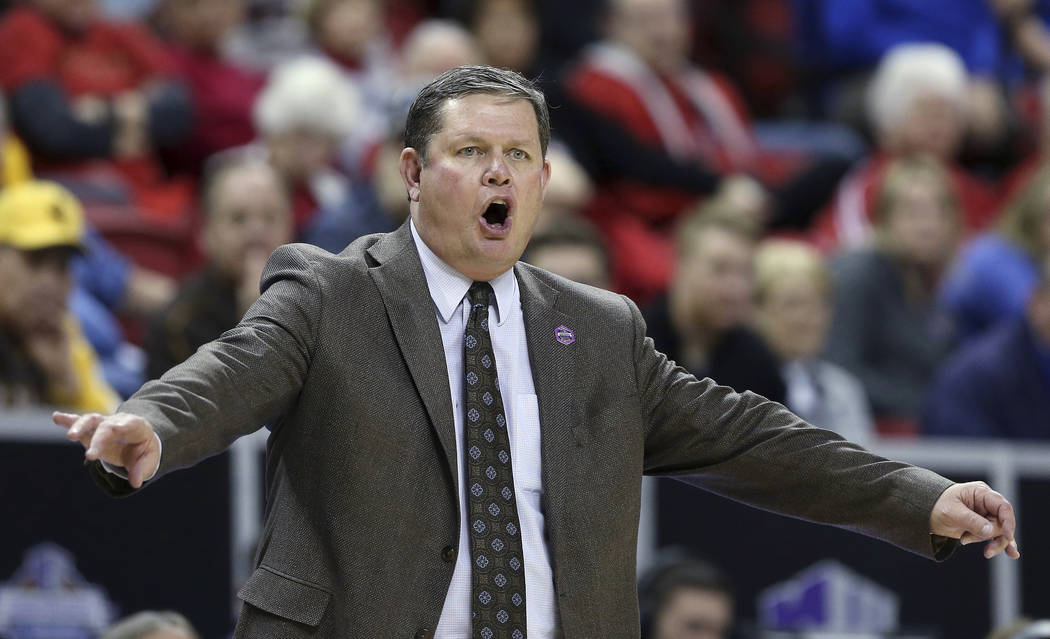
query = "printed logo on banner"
x=47 y=597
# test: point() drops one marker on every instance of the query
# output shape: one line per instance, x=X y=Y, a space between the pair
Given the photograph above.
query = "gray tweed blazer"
x=343 y=355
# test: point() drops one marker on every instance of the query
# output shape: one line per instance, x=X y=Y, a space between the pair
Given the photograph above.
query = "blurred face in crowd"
x=693 y=613
x=477 y=194
x=793 y=316
x=35 y=287
x=921 y=222
x=430 y=51
x=348 y=26
x=507 y=33
x=932 y=125
x=716 y=280
x=657 y=31
x=301 y=152
x=72 y=15
x=201 y=24
x=248 y=217
x=577 y=262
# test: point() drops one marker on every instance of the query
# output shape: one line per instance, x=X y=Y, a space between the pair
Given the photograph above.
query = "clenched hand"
x=974 y=512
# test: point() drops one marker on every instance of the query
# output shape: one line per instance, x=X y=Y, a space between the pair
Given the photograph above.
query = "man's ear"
x=411 y=165
x=546 y=179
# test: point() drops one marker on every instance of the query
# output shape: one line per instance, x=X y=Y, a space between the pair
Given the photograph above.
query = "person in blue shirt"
x=999 y=385
x=997 y=273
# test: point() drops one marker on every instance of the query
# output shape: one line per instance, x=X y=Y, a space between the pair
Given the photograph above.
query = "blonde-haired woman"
x=888 y=329
x=999 y=270
x=792 y=313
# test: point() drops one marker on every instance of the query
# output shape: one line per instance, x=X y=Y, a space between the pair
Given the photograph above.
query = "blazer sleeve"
x=248 y=377
x=752 y=450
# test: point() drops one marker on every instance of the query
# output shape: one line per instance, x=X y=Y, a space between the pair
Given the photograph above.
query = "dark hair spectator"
x=152 y=625
x=683 y=597
x=247 y=215
x=507 y=31
x=793 y=313
x=704 y=322
x=996 y=385
x=44 y=357
x=887 y=328
x=573 y=249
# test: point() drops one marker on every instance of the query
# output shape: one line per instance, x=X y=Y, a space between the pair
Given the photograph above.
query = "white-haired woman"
x=303 y=116
x=918 y=102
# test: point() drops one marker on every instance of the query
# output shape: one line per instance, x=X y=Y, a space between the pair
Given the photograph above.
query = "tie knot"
x=480 y=294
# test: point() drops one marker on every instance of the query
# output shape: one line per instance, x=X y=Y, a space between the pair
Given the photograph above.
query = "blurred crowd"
x=842 y=206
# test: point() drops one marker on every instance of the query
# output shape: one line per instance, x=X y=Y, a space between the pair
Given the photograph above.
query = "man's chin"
x=497 y=255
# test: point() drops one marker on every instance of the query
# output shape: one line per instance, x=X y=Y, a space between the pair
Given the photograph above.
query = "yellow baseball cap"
x=40 y=214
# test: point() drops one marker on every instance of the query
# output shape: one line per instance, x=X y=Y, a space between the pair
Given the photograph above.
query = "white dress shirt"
x=448 y=289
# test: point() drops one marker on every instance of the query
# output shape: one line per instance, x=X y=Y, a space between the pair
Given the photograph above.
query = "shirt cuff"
x=121 y=472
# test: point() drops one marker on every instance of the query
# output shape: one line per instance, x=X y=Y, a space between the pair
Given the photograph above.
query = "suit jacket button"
x=424 y=633
x=449 y=554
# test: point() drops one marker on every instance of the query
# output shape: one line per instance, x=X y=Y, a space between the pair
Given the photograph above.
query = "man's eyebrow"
x=472 y=138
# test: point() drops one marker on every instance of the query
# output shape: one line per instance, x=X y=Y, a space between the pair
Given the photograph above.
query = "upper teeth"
x=500 y=201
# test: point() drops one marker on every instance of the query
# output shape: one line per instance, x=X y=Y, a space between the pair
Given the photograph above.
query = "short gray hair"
x=424 y=117
x=910 y=71
x=143 y=624
x=307 y=92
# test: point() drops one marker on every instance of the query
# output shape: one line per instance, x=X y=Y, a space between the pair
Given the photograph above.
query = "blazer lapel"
x=555 y=368
x=410 y=308
x=553 y=356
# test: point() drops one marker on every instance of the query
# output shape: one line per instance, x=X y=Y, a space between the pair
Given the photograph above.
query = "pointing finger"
x=995 y=546
x=1012 y=550
x=1004 y=512
x=64 y=420
x=83 y=428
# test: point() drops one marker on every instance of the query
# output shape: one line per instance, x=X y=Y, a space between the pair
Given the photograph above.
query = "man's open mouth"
x=497 y=214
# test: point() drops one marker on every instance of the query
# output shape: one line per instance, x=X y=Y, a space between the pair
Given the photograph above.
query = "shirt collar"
x=448 y=286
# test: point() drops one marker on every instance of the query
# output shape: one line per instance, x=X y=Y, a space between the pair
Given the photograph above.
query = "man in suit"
x=412 y=491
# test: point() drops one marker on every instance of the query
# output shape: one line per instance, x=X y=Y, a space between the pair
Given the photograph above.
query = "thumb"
x=143 y=468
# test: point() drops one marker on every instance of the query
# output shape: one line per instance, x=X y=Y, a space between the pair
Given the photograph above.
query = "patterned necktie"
x=498 y=570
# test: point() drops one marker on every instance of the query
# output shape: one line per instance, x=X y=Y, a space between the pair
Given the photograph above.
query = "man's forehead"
x=470 y=113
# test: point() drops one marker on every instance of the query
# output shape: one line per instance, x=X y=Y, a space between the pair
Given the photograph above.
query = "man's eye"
x=469 y=151
x=518 y=154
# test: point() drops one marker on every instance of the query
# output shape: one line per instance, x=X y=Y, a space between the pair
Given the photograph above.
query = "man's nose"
x=497 y=174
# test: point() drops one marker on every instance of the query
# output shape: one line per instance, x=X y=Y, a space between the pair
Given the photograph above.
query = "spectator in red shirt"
x=223 y=92
x=94 y=101
x=640 y=78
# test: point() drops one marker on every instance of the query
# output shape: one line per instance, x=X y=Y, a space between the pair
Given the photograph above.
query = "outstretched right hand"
x=121 y=439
